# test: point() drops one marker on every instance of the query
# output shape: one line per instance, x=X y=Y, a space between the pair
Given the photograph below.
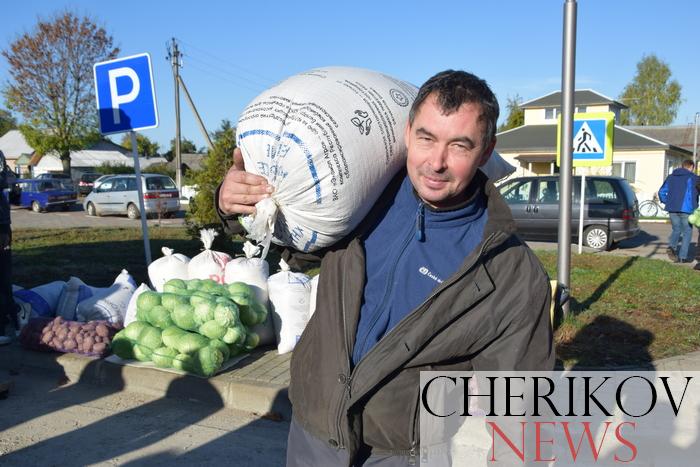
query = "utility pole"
x=174 y=57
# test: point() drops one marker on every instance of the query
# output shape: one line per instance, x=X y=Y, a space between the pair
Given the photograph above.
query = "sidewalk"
x=257 y=384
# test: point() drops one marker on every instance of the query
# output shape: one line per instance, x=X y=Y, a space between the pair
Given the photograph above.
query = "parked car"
x=611 y=211
x=42 y=194
x=86 y=182
x=67 y=180
x=118 y=194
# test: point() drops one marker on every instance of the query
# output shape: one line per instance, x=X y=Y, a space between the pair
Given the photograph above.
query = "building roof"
x=581 y=97
x=193 y=161
x=13 y=145
x=543 y=139
x=682 y=136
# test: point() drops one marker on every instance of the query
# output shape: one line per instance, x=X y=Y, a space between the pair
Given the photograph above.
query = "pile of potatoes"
x=90 y=338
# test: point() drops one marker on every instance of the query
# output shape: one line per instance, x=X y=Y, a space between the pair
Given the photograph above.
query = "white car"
x=118 y=194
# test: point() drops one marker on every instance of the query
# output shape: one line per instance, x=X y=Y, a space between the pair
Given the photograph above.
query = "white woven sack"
x=108 y=304
x=170 y=266
x=329 y=140
x=75 y=292
x=41 y=300
x=289 y=296
x=130 y=315
x=208 y=264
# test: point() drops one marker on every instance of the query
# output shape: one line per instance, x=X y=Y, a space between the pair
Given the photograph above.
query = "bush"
x=202 y=212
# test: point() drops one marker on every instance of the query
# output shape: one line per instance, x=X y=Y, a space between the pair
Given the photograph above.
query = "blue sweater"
x=409 y=252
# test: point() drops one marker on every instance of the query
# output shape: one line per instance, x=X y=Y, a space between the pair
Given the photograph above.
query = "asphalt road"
x=651 y=241
x=77 y=217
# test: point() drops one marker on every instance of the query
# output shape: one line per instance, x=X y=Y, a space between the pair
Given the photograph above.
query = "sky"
x=233 y=50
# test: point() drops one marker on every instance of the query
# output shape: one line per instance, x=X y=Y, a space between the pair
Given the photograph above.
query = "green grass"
x=627 y=310
x=624 y=310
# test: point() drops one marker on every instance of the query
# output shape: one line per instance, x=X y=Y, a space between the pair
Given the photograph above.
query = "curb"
x=257 y=384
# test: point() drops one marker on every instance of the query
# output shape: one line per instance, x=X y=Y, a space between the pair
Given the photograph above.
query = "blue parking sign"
x=126 y=98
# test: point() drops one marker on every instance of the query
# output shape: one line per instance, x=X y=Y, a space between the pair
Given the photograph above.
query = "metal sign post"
x=565 y=139
x=126 y=101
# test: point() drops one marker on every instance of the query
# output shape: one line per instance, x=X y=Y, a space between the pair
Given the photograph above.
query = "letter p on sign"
x=126 y=99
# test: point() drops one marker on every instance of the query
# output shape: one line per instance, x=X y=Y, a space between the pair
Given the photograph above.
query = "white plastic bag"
x=254 y=272
x=170 y=266
x=108 y=304
x=40 y=301
x=208 y=264
x=250 y=270
x=312 y=300
x=130 y=315
x=290 y=293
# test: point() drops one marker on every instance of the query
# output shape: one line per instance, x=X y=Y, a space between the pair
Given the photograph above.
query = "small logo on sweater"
x=426 y=272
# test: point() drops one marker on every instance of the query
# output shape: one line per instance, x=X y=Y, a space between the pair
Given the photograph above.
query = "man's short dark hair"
x=688 y=164
x=454 y=88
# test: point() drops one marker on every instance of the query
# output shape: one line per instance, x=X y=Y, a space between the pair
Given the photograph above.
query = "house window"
x=551 y=113
x=626 y=170
x=579 y=109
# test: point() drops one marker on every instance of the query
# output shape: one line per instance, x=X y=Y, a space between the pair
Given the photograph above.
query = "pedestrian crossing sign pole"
x=592 y=147
x=593 y=139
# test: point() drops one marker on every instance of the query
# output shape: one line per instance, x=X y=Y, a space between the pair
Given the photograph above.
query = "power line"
x=223 y=72
x=228 y=63
x=225 y=78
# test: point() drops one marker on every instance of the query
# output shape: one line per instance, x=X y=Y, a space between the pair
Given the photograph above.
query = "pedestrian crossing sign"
x=593 y=139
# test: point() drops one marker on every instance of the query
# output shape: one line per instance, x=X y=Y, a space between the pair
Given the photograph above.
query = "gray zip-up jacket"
x=492 y=314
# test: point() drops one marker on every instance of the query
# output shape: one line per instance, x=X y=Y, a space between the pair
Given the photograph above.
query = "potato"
x=79 y=338
x=99 y=347
x=62 y=333
x=85 y=347
x=88 y=341
x=69 y=344
x=97 y=339
x=56 y=343
x=47 y=338
x=102 y=330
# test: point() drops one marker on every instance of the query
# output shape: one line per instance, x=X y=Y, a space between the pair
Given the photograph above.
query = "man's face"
x=444 y=152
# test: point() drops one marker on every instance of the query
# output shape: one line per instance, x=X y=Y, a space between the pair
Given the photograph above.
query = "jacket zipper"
x=389 y=287
x=443 y=286
x=346 y=390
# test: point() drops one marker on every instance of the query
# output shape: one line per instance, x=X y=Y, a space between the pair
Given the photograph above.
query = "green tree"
x=214 y=167
x=516 y=115
x=186 y=147
x=144 y=146
x=51 y=82
x=652 y=96
x=7 y=122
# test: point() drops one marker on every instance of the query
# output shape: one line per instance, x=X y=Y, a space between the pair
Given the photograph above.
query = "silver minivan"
x=611 y=211
x=118 y=194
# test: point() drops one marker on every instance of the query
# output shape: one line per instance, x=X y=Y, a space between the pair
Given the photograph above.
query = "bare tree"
x=51 y=82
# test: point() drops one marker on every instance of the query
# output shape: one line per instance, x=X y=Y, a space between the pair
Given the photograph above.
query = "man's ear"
x=487 y=152
x=406 y=133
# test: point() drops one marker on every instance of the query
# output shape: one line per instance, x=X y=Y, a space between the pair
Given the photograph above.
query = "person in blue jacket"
x=679 y=193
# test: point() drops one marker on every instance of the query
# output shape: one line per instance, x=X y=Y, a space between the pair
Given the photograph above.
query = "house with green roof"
x=642 y=157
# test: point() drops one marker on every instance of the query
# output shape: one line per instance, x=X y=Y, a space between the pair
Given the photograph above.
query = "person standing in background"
x=8 y=307
x=679 y=193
